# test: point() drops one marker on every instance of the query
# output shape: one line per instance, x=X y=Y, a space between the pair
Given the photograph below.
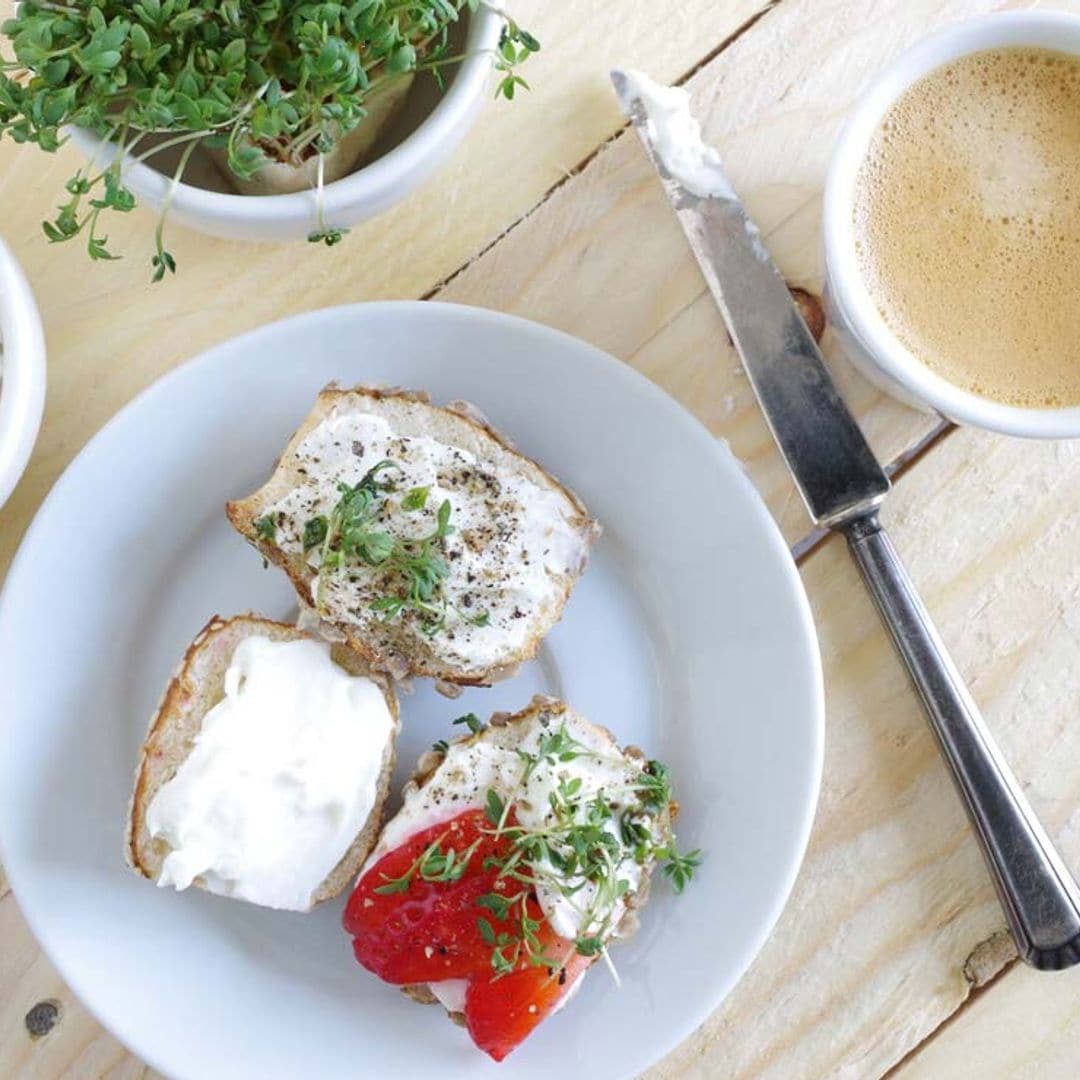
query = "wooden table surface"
x=891 y=957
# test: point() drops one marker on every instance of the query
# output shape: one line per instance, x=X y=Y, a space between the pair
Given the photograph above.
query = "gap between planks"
x=802 y=549
x=801 y=552
x=979 y=984
x=584 y=163
x=974 y=994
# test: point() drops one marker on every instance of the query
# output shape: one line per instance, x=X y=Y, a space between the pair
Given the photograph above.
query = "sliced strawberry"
x=427 y=932
x=500 y=1014
x=431 y=931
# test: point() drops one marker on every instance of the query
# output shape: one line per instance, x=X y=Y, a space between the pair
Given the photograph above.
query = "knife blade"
x=842 y=485
x=834 y=468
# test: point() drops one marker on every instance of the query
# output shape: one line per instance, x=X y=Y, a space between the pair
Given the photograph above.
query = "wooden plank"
x=772 y=103
x=890 y=851
x=1023 y=1026
x=76 y=1046
x=893 y=920
x=110 y=333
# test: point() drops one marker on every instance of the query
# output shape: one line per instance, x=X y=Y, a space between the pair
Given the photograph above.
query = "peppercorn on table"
x=891 y=956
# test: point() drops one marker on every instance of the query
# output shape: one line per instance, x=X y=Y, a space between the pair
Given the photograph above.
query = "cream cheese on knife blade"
x=676 y=136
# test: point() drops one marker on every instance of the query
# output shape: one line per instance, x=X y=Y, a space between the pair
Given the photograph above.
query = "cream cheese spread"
x=512 y=538
x=676 y=137
x=281 y=778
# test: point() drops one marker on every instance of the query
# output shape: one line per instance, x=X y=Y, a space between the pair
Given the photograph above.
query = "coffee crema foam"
x=967 y=224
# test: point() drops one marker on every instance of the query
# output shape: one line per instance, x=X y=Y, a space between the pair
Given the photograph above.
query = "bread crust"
x=402 y=663
x=195 y=687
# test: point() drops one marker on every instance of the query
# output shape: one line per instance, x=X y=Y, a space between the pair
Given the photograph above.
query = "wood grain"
x=110 y=332
x=872 y=953
x=1021 y=1028
x=772 y=103
x=892 y=924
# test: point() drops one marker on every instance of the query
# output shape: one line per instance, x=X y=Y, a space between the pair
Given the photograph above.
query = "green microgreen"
x=314 y=532
x=262 y=81
x=266 y=528
x=472 y=722
x=415 y=499
x=412 y=570
x=495 y=807
x=678 y=868
x=584 y=851
x=434 y=865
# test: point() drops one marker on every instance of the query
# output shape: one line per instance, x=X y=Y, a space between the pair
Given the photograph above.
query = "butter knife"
x=843 y=485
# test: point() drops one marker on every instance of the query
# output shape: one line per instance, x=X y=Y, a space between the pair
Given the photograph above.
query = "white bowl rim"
x=1056 y=30
x=370 y=180
x=22 y=385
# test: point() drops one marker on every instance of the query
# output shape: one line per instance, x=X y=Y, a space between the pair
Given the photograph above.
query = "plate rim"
x=678 y=413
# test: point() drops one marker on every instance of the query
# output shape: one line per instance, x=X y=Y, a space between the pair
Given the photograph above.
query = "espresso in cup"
x=967 y=224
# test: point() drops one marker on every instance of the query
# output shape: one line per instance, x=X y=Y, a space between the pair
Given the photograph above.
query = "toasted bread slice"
x=548 y=714
x=517 y=544
x=194 y=690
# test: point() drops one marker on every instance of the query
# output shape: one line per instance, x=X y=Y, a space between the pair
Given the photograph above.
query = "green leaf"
x=98 y=63
x=189 y=111
x=55 y=235
x=398 y=885
x=141 y=46
x=589 y=946
x=471 y=721
x=444 y=528
x=56 y=71
x=494 y=807
x=162 y=264
x=497 y=904
x=314 y=532
x=402 y=59
x=234 y=53
x=416 y=498
x=329 y=237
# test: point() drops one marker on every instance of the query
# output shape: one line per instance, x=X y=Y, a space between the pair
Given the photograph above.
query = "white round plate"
x=689 y=635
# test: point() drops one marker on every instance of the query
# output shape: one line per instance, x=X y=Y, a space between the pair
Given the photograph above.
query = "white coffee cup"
x=869 y=342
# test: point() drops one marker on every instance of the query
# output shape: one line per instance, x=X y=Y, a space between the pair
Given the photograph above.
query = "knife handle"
x=1039 y=895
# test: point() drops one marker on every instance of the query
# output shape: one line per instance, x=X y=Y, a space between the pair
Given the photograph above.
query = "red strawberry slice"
x=431 y=930
x=501 y=1014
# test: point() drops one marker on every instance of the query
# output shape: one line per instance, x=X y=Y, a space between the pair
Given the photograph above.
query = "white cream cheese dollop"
x=470 y=769
x=511 y=536
x=281 y=778
x=676 y=136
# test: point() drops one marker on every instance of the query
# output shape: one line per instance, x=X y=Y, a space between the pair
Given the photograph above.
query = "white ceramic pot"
x=870 y=343
x=22 y=382
x=373 y=188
